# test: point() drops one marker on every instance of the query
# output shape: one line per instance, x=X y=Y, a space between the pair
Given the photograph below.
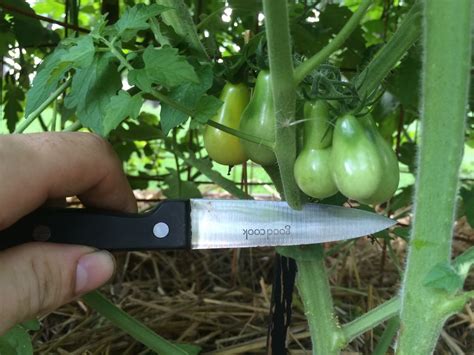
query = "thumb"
x=36 y=278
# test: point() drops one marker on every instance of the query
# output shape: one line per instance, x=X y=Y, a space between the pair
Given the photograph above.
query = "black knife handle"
x=167 y=226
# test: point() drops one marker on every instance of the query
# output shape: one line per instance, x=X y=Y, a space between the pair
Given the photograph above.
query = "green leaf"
x=207 y=108
x=47 y=78
x=444 y=277
x=29 y=31
x=139 y=132
x=187 y=94
x=13 y=108
x=81 y=54
x=32 y=324
x=120 y=107
x=91 y=91
x=135 y=19
x=180 y=189
x=7 y=38
x=140 y=78
x=16 y=341
x=405 y=83
x=166 y=67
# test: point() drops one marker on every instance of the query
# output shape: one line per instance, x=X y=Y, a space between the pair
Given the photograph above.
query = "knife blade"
x=196 y=224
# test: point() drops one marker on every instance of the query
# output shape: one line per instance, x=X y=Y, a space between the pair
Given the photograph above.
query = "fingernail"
x=93 y=270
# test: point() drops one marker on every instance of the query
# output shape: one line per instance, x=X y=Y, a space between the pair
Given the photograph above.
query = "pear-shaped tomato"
x=312 y=167
x=223 y=147
x=357 y=167
x=313 y=173
x=391 y=172
x=317 y=128
x=258 y=120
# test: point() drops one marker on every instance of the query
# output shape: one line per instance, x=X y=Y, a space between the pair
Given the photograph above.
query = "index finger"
x=41 y=166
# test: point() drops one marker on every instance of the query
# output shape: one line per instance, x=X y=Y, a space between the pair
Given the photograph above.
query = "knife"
x=196 y=224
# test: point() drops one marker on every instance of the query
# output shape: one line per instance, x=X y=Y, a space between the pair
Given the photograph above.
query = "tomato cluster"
x=358 y=162
x=350 y=156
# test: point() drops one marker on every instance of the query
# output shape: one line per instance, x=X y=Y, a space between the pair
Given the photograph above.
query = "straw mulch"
x=219 y=300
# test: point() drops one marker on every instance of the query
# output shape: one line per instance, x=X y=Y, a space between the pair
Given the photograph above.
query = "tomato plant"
x=322 y=99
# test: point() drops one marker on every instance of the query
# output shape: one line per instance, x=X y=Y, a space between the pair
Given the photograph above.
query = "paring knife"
x=196 y=224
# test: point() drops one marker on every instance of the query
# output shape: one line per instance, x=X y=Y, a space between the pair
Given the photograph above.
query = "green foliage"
x=16 y=342
x=13 y=108
x=145 y=76
x=444 y=277
x=188 y=94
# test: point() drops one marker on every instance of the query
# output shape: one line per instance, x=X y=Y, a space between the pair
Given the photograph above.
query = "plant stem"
x=312 y=63
x=387 y=337
x=118 y=54
x=387 y=57
x=284 y=94
x=313 y=286
x=445 y=85
x=73 y=127
x=371 y=319
x=207 y=171
x=36 y=113
x=131 y=326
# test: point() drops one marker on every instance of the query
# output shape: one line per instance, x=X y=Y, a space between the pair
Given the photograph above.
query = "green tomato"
x=317 y=127
x=356 y=165
x=223 y=147
x=390 y=168
x=258 y=120
x=313 y=173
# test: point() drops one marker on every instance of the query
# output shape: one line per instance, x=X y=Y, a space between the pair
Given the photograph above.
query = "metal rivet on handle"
x=41 y=233
x=161 y=230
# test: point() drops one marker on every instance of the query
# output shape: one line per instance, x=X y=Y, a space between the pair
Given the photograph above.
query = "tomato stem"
x=284 y=94
x=445 y=86
x=320 y=57
x=389 y=55
x=313 y=286
x=36 y=113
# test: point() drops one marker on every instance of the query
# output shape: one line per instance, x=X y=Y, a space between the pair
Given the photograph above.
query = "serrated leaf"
x=81 y=53
x=91 y=91
x=444 y=277
x=166 y=67
x=187 y=94
x=48 y=75
x=207 y=108
x=135 y=19
x=16 y=341
x=13 y=107
x=120 y=107
x=140 y=79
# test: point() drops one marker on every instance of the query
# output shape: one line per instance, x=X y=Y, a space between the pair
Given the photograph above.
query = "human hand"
x=36 y=278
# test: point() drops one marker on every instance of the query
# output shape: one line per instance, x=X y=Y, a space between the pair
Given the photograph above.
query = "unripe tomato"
x=390 y=168
x=223 y=147
x=313 y=173
x=317 y=127
x=356 y=164
x=258 y=120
